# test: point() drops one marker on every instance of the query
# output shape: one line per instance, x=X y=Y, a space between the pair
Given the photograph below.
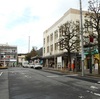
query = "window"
x=14 y=56
x=60 y=33
x=47 y=49
x=44 y=50
x=13 y=51
x=51 y=37
x=56 y=46
x=56 y=34
x=1 y=56
x=44 y=40
x=47 y=39
x=51 y=47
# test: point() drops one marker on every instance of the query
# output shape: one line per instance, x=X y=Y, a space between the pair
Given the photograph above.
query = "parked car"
x=2 y=66
x=37 y=66
x=31 y=65
x=25 y=64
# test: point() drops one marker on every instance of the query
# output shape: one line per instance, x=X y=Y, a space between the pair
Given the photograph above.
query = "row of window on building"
x=50 y=45
x=8 y=50
x=50 y=48
x=8 y=57
x=50 y=37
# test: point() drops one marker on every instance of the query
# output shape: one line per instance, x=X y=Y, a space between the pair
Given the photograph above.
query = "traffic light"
x=91 y=38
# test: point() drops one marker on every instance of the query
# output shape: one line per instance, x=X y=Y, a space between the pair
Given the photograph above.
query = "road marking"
x=53 y=76
x=26 y=76
x=81 y=96
x=93 y=87
x=97 y=94
x=98 y=82
x=1 y=73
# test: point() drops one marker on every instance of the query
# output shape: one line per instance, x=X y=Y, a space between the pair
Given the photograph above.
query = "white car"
x=25 y=64
x=31 y=65
x=37 y=66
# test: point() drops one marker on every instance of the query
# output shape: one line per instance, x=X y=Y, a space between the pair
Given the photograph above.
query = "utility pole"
x=81 y=33
x=29 y=44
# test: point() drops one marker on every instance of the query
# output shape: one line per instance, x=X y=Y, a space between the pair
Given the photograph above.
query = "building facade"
x=21 y=58
x=8 y=55
x=53 y=56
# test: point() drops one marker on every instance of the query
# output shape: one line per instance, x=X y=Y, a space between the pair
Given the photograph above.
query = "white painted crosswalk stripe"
x=1 y=73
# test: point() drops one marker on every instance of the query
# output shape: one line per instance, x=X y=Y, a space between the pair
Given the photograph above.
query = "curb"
x=87 y=77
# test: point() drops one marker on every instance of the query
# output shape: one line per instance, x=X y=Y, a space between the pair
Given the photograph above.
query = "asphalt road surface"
x=27 y=83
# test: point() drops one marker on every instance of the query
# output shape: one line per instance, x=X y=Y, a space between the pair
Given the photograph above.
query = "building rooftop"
x=71 y=10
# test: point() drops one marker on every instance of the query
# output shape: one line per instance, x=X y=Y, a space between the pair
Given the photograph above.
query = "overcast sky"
x=20 y=19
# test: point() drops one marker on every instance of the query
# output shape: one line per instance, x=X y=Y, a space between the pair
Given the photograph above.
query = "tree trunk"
x=69 y=61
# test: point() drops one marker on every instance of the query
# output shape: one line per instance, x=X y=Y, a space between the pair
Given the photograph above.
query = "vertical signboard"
x=59 y=61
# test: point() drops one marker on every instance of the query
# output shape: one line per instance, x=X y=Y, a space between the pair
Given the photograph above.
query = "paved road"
x=4 y=90
x=26 y=83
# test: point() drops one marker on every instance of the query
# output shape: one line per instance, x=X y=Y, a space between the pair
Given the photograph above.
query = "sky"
x=24 y=19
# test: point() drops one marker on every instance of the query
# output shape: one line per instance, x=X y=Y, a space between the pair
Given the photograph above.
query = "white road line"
x=53 y=76
x=93 y=87
x=97 y=94
x=1 y=73
x=81 y=96
x=98 y=82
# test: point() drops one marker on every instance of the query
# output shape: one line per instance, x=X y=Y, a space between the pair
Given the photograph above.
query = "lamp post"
x=4 y=60
x=81 y=32
x=29 y=45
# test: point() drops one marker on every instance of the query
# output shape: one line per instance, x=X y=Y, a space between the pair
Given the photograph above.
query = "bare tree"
x=93 y=21
x=69 y=38
x=31 y=54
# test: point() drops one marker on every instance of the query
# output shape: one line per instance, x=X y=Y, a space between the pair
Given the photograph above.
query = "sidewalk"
x=86 y=72
x=95 y=78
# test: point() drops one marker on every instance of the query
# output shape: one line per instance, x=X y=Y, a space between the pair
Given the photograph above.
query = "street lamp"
x=4 y=60
x=81 y=32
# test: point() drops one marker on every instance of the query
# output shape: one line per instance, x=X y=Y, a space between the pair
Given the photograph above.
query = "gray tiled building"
x=8 y=55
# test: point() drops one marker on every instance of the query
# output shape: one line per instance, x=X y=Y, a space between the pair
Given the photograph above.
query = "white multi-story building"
x=51 y=53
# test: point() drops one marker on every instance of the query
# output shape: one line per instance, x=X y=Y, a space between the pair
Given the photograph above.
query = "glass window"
x=44 y=50
x=47 y=49
x=44 y=40
x=47 y=39
x=51 y=37
x=56 y=46
x=51 y=47
x=56 y=34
